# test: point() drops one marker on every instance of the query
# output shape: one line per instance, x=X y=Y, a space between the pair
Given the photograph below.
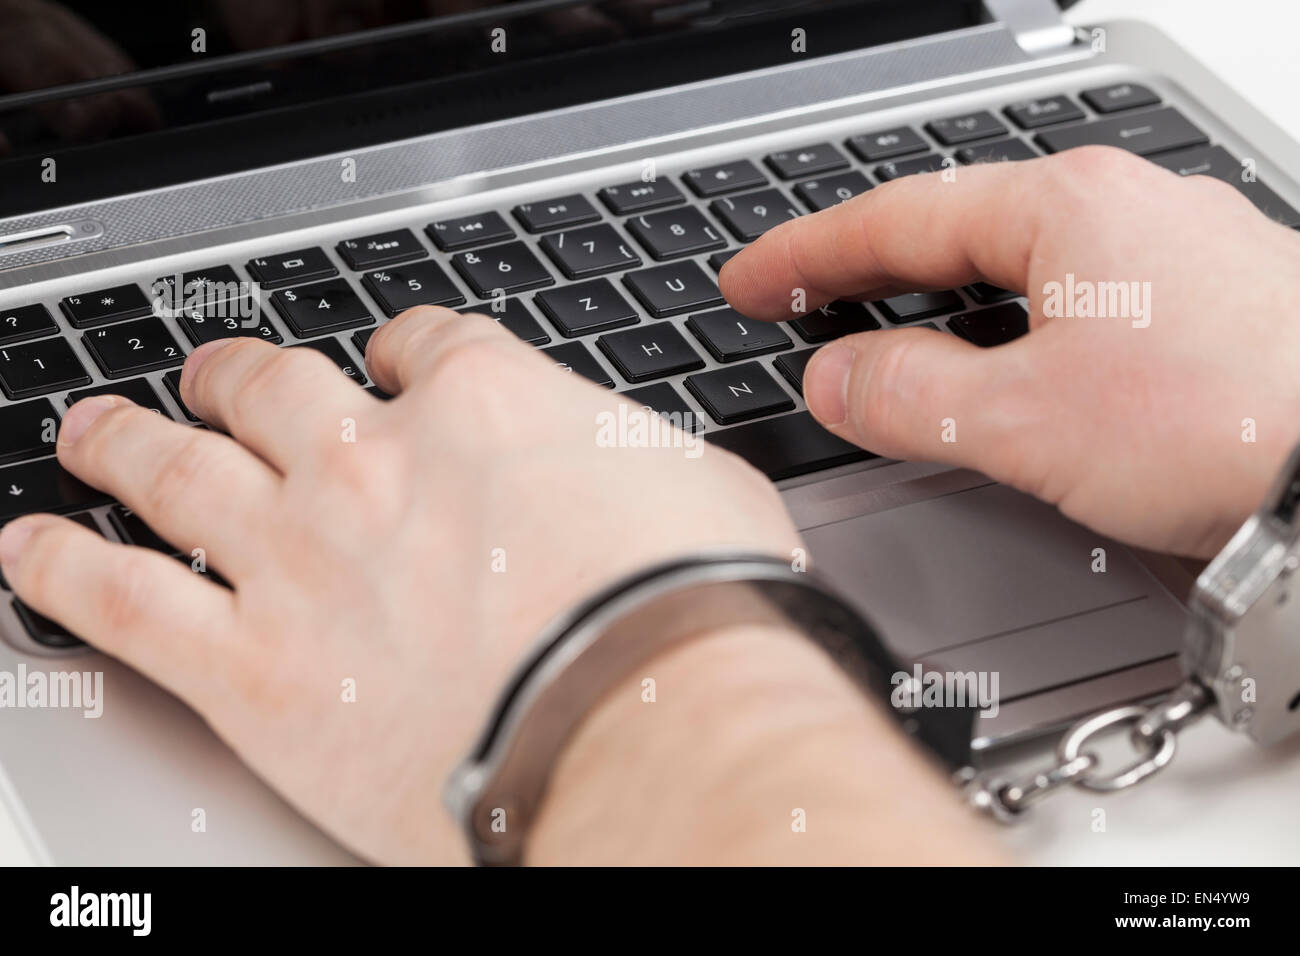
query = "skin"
x=1134 y=432
x=372 y=560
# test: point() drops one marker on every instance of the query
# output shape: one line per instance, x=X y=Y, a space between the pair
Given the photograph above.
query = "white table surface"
x=1221 y=801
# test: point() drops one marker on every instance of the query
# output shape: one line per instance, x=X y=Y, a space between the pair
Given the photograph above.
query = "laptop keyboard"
x=618 y=286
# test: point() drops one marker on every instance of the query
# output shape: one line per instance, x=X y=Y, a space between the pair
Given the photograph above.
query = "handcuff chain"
x=1153 y=735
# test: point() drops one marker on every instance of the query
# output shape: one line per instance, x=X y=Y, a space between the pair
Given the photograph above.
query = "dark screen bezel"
x=372 y=116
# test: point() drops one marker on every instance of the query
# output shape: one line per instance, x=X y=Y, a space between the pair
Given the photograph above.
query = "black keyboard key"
x=888 y=172
x=738 y=393
x=587 y=307
x=137 y=390
x=25 y=322
x=238 y=318
x=43 y=485
x=379 y=393
x=107 y=305
x=514 y=315
x=900 y=141
x=819 y=194
x=1046 y=111
x=918 y=305
x=675 y=232
x=1155 y=131
x=130 y=527
x=788 y=446
x=651 y=351
x=807 y=161
x=1120 y=96
x=321 y=308
x=464 y=232
x=729 y=336
x=1218 y=162
x=589 y=251
x=381 y=249
x=995 y=326
x=27 y=430
x=333 y=350
x=663 y=398
x=198 y=288
x=288 y=268
x=752 y=214
x=173 y=382
x=720 y=259
x=985 y=294
x=133 y=347
x=834 y=320
x=956 y=130
x=674 y=288
x=574 y=357
x=638 y=196
x=555 y=213
x=44 y=631
x=419 y=283
x=34 y=368
x=792 y=365
x=503 y=269
x=998 y=151
x=361 y=339
x=724 y=178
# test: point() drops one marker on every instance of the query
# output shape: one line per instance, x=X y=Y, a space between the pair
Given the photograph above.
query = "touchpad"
x=993 y=579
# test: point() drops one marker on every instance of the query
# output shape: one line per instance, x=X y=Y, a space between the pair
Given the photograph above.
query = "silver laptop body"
x=952 y=567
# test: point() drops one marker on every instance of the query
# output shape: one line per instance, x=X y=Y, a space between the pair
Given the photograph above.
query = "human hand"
x=1137 y=431
x=371 y=561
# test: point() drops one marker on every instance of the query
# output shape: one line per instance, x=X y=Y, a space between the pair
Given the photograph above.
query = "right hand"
x=1137 y=432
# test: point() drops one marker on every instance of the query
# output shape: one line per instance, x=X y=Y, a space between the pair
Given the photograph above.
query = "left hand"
x=411 y=566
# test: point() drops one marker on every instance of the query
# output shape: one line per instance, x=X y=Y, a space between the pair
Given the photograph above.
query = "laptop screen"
x=131 y=96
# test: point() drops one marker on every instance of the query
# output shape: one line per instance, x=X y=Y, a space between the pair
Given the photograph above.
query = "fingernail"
x=201 y=355
x=83 y=414
x=13 y=538
x=826 y=384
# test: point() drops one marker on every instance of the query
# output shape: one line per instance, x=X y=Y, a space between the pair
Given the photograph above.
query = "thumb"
x=921 y=395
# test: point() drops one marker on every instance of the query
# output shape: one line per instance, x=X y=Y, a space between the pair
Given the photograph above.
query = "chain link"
x=1153 y=735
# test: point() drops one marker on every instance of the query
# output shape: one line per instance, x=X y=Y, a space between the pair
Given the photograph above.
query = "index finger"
x=920 y=232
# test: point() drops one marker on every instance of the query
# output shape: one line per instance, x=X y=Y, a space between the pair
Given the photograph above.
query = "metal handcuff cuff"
x=497 y=790
x=1240 y=660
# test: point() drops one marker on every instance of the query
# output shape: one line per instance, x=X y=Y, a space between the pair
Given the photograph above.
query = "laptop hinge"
x=1036 y=24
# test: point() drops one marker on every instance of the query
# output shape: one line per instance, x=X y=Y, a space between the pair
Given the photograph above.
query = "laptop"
x=312 y=169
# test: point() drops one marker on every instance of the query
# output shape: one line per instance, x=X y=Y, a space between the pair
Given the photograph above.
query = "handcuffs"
x=1240 y=660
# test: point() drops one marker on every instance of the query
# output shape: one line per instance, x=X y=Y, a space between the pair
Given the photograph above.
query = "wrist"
x=747 y=745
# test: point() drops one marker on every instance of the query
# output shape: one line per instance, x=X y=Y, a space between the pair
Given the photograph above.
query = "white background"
x=1222 y=801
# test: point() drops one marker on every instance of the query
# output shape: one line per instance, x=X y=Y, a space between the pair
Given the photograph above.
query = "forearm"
x=756 y=749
